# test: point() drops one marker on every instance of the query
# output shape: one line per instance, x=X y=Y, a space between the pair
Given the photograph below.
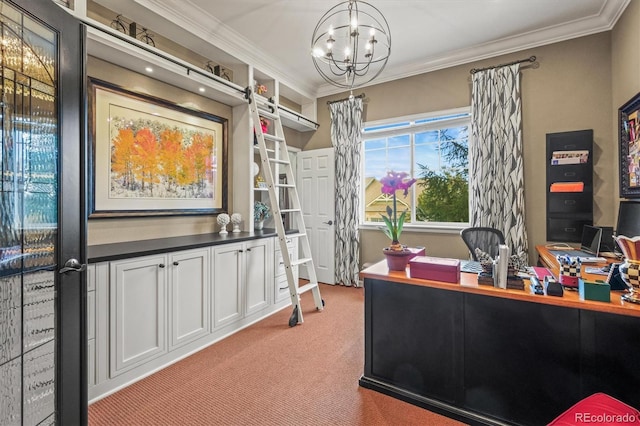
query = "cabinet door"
x=257 y=283
x=138 y=311
x=189 y=301
x=227 y=271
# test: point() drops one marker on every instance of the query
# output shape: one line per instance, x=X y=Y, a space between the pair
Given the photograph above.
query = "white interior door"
x=316 y=183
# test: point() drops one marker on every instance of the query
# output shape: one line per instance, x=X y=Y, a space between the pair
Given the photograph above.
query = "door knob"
x=72 y=265
x=328 y=223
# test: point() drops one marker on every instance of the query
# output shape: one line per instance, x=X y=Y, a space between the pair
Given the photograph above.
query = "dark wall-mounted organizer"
x=569 y=184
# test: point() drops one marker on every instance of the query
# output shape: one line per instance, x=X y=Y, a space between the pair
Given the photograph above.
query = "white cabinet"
x=146 y=312
x=258 y=255
x=189 y=295
x=241 y=282
x=227 y=277
x=138 y=311
x=281 y=286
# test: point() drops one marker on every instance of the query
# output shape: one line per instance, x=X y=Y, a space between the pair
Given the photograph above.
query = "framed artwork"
x=630 y=148
x=150 y=157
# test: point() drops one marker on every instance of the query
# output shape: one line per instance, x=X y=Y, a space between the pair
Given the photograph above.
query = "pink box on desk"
x=416 y=251
x=435 y=268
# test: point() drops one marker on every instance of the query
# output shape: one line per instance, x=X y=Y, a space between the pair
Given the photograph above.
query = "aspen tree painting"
x=151 y=157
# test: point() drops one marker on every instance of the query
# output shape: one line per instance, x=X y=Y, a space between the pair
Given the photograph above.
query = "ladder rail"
x=271 y=166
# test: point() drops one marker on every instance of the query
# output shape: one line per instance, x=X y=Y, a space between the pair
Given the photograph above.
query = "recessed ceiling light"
x=148 y=69
x=201 y=89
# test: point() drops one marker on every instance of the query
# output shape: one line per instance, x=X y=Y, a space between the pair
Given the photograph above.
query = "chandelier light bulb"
x=351 y=44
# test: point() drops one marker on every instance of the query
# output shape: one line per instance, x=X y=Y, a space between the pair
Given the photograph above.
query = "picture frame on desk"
x=151 y=157
x=629 y=148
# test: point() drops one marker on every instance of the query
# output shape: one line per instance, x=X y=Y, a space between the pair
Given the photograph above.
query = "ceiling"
x=275 y=35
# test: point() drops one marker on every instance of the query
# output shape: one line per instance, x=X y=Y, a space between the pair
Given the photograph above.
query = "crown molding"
x=203 y=25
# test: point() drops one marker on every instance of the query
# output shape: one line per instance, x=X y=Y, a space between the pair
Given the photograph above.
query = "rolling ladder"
x=274 y=156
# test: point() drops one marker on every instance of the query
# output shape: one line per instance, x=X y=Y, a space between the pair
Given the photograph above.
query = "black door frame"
x=71 y=342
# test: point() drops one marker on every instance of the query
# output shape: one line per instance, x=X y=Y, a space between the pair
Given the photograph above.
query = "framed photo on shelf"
x=629 y=122
x=150 y=157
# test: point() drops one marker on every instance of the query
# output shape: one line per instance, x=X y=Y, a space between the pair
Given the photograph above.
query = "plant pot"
x=259 y=225
x=397 y=259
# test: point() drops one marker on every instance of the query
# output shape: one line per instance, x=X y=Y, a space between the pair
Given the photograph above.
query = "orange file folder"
x=567 y=187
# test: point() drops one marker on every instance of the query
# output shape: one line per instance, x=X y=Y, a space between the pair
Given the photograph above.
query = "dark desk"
x=493 y=356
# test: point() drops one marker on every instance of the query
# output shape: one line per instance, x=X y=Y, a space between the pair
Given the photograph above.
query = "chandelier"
x=351 y=44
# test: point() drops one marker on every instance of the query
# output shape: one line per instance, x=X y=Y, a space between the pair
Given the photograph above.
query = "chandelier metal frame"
x=351 y=44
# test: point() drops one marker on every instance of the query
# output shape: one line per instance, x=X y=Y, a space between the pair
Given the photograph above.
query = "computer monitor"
x=628 y=219
x=591 y=236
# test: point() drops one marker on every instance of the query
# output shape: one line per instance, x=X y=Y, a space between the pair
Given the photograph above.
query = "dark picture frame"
x=629 y=148
x=150 y=157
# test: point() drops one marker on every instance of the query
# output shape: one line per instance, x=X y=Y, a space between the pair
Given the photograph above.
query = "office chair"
x=484 y=238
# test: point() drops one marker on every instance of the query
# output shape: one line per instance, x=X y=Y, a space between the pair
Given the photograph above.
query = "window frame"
x=460 y=116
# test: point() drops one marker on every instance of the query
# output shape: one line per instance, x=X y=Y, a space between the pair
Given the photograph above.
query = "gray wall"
x=571 y=90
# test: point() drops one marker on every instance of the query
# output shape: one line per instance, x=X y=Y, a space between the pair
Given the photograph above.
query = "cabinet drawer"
x=571 y=173
x=563 y=229
x=281 y=288
x=570 y=202
x=279 y=262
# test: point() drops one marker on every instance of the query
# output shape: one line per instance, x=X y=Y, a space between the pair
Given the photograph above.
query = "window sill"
x=439 y=228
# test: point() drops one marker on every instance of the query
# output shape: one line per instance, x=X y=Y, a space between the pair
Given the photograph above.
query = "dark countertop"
x=117 y=251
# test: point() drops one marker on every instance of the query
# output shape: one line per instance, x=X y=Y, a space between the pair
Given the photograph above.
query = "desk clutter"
x=501 y=272
x=569 y=270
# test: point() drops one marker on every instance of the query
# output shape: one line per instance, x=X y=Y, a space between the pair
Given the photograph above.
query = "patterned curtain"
x=496 y=172
x=346 y=124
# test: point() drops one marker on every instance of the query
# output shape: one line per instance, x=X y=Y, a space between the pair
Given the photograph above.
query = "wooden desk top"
x=469 y=284
x=548 y=260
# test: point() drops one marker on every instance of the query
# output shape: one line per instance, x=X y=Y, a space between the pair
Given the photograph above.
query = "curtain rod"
x=361 y=95
x=529 y=59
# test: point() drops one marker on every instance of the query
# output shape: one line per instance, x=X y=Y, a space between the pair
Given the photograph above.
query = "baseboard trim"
x=433 y=405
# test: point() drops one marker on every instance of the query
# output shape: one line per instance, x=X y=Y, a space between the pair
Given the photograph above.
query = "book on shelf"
x=569 y=157
x=567 y=187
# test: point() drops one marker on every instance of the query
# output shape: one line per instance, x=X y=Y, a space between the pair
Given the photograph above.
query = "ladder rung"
x=296 y=235
x=284 y=185
x=268 y=114
x=273 y=137
x=301 y=261
x=273 y=160
x=289 y=210
x=307 y=287
x=257 y=148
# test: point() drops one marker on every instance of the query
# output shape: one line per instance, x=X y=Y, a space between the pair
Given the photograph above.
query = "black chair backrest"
x=484 y=238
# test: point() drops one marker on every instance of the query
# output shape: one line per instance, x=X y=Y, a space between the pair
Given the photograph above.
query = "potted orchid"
x=397 y=255
x=391 y=183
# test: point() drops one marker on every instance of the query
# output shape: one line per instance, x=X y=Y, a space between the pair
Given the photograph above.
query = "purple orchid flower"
x=391 y=183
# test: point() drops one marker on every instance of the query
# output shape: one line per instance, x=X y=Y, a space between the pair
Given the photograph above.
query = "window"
x=433 y=148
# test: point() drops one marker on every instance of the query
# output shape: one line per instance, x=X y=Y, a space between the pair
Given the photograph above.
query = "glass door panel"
x=28 y=219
